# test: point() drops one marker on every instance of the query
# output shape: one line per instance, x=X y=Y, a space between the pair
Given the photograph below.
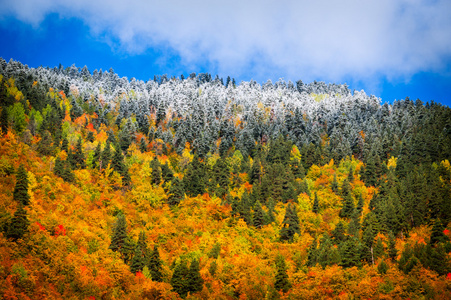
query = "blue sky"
x=392 y=49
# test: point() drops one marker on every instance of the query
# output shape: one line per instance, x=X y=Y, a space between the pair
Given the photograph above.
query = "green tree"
x=45 y=145
x=156 y=171
x=259 y=215
x=18 y=225
x=315 y=204
x=290 y=224
x=334 y=184
x=139 y=261
x=312 y=258
x=194 y=181
x=119 y=233
x=392 y=252
x=180 y=278
x=437 y=234
x=176 y=192
x=195 y=281
x=20 y=193
x=155 y=265
x=281 y=281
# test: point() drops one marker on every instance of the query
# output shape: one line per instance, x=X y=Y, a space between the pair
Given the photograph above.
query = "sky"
x=390 y=48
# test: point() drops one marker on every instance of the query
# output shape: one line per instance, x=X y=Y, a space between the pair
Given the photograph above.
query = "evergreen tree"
x=120 y=167
x=79 y=157
x=437 y=234
x=349 y=252
x=290 y=224
x=195 y=281
x=220 y=178
x=281 y=281
x=312 y=258
x=327 y=254
x=119 y=233
x=334 y=184
x=176 y=192
x=259 y=215
x=156 y=171
x=179 y=280
x=143 y=145
x=392 y=252
x=20 y=193
x=359 y=207
x=139 y=261
x=354 y=225
x=97 y=156
x=338 y=233
x=348 y=203
x=155 y=265
x=193 y=181
x=18 y=225
x=315 y=204
x=166 y=173
x=105 y=157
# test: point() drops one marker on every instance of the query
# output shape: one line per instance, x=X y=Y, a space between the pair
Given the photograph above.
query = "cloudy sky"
x=392 y=49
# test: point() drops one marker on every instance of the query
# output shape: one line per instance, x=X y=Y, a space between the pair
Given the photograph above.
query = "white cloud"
x=325 y=39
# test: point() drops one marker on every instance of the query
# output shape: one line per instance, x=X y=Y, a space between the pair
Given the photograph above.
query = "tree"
x=105 y=157
x=348 y=203
x=290 y=224
x=180 y=278
x=138 y=261
x=437 y=234
x=392 y=252
x=193 y=181
x=18 y=225
x=119 y=234
x=45 y=146
x=155 y=265
x=195 y=281
x=312 y=258
x=156 y=171
x=334 y=184
x=20 y=193
x=259 y=215
x=315 y=204
x=176 y=192
x=281 y=281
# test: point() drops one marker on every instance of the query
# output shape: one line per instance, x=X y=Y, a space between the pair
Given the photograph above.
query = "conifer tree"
x=18 y=225
x=259 y=215
x=97 y=156
x=349 y=252
x=20 y=193
x=327 y=254
x=180 y=278
x=195 y=281
x=176 y=192
x=437 y=234
x=143 y=145
x=312 y=258
x=45 y=145
x=79 y=157
x=281 y=281
x=105 y=157
x=156 y=171
x=138 y=261
x=392 y=252
x=334 y=184
x=119 y=233
x=315 y=204
x=155 y=265
x=166 y=173
x=193 y=181
x=339 y=233
x=290 y=224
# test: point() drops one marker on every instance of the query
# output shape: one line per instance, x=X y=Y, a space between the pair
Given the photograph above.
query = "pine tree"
x=334 y=184
x=290 y=224
x=176 y=192
x=281 y=281
x=45 y=146
x=156 y=171
x=138 y=262
x=259 y=215
x=315 y=204
x=392 y=252
x=193 y=181
x=166 y=173
x=119 y=233
x=143 y=145
x=18 y=225
x=155 y=265
x=79 y=157
x=180 y=278
x=97 y=156
x=105 y=157
x=312 y=258
x=195 y=281
x=437 y=234
x=349 y=252
x=20 y=193
x=339 y=233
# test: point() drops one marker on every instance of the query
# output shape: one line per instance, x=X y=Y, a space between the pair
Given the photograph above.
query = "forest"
x=200 y=187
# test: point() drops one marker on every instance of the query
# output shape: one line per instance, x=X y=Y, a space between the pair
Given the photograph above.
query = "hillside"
x=203 y=188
